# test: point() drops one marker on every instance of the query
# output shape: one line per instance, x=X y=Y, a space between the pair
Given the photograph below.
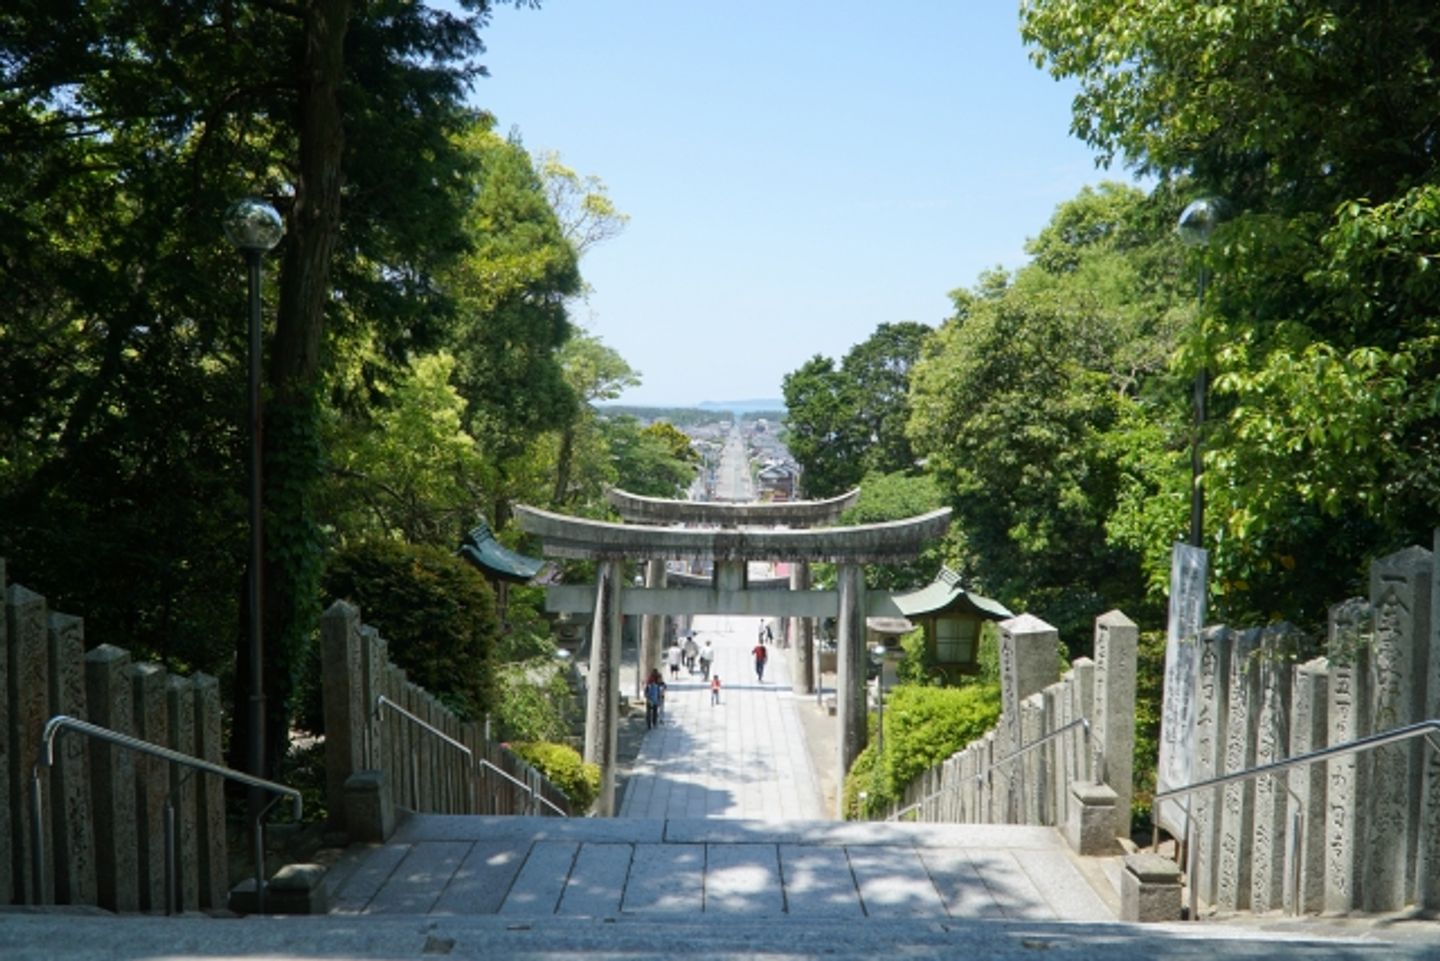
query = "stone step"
x=61 y=937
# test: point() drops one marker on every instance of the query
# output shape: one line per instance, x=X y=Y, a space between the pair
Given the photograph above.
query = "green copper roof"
x=945 y=594
x=482 y=549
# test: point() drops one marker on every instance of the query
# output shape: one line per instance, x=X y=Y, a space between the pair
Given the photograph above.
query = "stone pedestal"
x=369 y=808
x=1090 y=828
x=1150 y=889
x=295 y=889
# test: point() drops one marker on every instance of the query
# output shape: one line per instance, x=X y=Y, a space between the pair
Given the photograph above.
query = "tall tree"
x=1316 y=121
x=879 y=374
x=821 y=428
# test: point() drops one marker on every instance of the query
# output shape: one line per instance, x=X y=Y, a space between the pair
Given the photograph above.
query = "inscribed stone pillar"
x=1400 y=595
x=652 y=630
x=1267 y=850
x=342 y=676
x=850 y=665
x=374 y=662
x=1427 y=869
x=210 y=795
x=802 y=633
x=180 y=707
x=603 y=685
x=1308 y=731
x=29 y=684
x=1212 y=704
x=1188 y=568
x=1090 y=761
x=1059 y=771
x=1116 y=640
x=71 y=831
x=1232 y=884
x=152 y=783
x=1347 y=778
x=1029 y=662
x=8 y=756
x=112 y=781
x=1029 y=768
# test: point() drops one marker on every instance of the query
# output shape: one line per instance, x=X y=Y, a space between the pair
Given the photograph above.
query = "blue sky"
x=796 y=172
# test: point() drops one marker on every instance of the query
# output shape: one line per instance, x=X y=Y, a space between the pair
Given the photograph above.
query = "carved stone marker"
x=1188 y=569
x=1232 y=885
x=1308 y=730
x=1347 y=705
x=69 y=813
x=1272 y=716
x=1116 y=639
x=1212 y=706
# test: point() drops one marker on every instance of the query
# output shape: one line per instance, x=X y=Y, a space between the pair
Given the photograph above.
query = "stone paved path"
x=745 y=757
x=632 y=867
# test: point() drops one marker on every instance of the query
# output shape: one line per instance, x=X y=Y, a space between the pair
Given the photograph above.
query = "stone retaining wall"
x=975 y=785
x=103 y=839
x=420 y=772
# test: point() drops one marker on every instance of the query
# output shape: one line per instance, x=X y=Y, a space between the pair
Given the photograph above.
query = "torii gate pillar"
x=652 y=630
x=850 y=665
x=802 y=636
x=602 y=694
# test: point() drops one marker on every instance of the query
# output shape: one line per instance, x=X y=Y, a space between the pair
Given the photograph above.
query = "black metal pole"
x=256 y=631
x=1200 y=389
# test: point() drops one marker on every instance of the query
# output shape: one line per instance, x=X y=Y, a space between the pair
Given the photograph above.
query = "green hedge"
x=435 y=611
x=923 y=726
x=564 y=768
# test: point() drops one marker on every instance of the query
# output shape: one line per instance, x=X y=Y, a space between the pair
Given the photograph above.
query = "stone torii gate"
x=732 y=535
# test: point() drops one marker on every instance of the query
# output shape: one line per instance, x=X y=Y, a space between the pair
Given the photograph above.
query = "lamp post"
x=1197 y=223
x=254 y=227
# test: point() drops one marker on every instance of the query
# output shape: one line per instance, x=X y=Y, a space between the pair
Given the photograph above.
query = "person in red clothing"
x=760 y=657
x=715 y=690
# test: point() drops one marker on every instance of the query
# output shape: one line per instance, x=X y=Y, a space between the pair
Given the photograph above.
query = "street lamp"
x=254 y=227
x=1197 y=223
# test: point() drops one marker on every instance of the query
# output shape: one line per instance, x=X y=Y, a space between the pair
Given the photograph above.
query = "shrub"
x=923 y=726
x=533 y=702
x=435 y=611
x=564 y=768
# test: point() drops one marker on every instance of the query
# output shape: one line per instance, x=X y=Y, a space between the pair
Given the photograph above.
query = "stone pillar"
x=1029 y=662
x=1232 y=883
x=1347 y=708
x=1427 y=869
x=1029 y=768
x=1400 y=595
x=71 y=831
x=602 y=688
x=652 y=630
x=29 y=685
x=210 y=795
x=180 y=707
x=802 y=634
x=1116 y=641
x=850 y=665
x=8 y=755
x=342 y=678
x=152 y=783
x=1308 y=731
x=112 y=782
x=1267 y=849
x=1087 y=765
x=1188 y=567
x=1212 y=705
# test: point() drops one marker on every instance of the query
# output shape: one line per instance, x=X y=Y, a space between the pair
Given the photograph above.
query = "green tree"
x=821 y=429
x=878 y=371
x=1319 y=325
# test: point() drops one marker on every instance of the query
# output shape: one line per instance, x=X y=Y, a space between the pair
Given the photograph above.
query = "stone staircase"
x=542 y=889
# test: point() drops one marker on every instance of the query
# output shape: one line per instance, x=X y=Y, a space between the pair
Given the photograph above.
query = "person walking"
x=672 y=657
x=761 y=655
x=654 y=691
x=707 y=657
x=691 y=651
x=715 y=690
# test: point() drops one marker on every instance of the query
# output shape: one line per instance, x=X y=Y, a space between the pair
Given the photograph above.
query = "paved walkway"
x=746 y=757
x=631 y=867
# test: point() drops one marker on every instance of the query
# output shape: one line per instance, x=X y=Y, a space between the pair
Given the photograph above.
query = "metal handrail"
x=383 y=701
x=46 y=759
x=1081 y=722
x=1357 y=746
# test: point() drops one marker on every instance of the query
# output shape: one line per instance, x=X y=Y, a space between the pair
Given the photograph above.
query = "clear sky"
x=796 y=172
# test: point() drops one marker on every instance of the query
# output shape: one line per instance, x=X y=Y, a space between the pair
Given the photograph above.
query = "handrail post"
x=170 y=868
x=37 y=847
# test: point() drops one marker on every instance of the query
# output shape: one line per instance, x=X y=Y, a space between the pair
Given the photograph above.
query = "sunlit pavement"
x=745 y=757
